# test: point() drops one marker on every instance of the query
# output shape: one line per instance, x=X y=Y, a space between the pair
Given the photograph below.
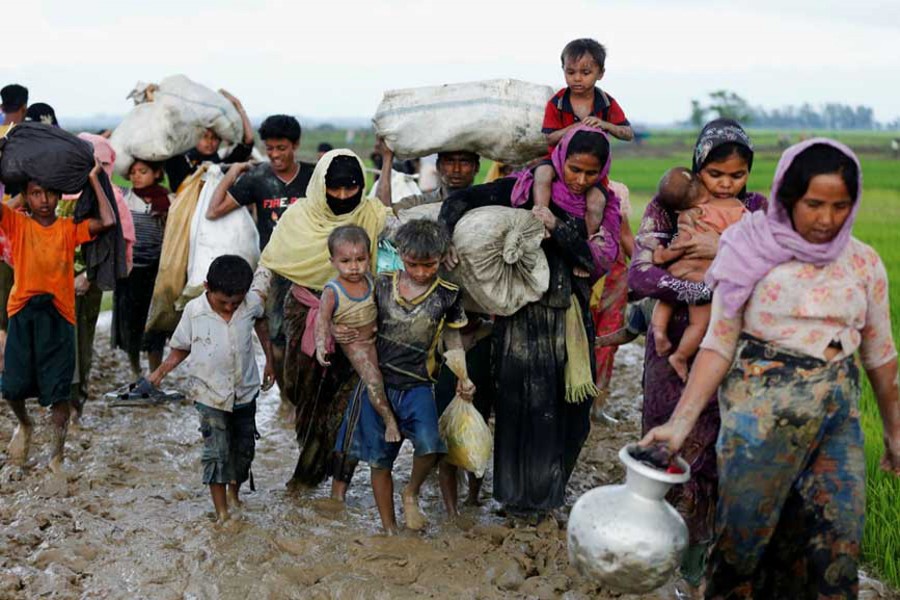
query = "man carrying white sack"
x=181 y=166
x=457 y=171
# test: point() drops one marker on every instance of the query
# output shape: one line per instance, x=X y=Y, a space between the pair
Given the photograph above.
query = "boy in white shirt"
x=216 y=331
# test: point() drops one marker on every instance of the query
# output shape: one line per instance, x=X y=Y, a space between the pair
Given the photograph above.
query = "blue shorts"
x=362 y=432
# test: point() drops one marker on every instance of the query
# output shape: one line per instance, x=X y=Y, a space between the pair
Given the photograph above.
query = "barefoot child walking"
x=216 y=331
x=414 y=308
x=349 y=300
x=40 y=348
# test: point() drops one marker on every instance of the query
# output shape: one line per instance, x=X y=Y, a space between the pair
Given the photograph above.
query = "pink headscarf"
x=103 y=151
x=760 y=242
x=566 y=199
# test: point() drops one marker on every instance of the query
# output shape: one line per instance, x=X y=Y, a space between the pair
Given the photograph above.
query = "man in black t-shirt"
x=269 y=187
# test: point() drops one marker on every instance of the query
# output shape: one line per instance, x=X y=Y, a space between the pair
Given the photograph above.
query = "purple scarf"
x=562 y=196
x=760 y=242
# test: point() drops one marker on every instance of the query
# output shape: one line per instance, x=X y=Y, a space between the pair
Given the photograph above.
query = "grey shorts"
x=229 y=442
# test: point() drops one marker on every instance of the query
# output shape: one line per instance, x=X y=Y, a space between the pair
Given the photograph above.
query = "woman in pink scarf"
x=795 y=297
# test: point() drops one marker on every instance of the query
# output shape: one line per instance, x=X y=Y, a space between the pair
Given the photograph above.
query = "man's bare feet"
x=680 y=364
x=392 y=432
x=20 y=445
x=415 y=520
x=56 y=465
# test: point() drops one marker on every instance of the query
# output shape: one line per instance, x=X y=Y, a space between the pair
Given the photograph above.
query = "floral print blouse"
x=805 y=308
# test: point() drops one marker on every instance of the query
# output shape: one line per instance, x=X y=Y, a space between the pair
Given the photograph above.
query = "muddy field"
x=132 y=519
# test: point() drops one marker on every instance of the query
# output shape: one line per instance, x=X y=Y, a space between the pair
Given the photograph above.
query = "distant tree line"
x=832 y=115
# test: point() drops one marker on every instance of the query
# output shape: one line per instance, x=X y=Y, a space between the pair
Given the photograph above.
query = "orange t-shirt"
x=44 y=258
x=721 y=216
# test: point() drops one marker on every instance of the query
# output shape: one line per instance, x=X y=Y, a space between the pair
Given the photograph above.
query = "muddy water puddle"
x=132 y=519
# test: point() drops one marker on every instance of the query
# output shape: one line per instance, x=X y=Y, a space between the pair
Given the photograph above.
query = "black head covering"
x=41 y=112
x=14 y=97
x=344 y=171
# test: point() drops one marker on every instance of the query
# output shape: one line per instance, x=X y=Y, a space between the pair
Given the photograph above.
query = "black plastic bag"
x=50 y=156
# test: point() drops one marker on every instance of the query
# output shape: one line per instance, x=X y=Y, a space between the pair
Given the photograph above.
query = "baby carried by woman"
x=680 y=191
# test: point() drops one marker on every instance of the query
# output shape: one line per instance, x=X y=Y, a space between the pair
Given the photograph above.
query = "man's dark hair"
x=325 y=147
x=466 y=155
x=41 y=112
x=229 y=274
x=280 y=127
x=14 y=97
x=421 y=239
x=578 y=48
x=348 y=234
x=818 y=159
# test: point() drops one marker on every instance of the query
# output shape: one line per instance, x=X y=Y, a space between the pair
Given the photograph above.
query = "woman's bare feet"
x=415 y=520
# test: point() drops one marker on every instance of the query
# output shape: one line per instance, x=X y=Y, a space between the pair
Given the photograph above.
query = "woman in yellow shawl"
x=298 y=250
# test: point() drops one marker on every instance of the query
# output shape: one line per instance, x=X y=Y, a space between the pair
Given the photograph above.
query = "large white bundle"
x=501 y=264
x=170 y=118
x=500 y=119
x=235 y=233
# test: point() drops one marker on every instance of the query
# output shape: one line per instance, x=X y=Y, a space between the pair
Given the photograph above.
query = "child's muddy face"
x=223 y=304
x=41 y=202
x=209 y=142
x=351 y=261
x=582 y=73
x=421 y=270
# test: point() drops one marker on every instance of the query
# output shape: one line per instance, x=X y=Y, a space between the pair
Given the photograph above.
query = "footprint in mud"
x=328 y=507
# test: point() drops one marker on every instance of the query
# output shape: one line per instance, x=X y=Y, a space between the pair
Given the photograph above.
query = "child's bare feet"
x=579 y=272
x=19 y=445
x=663 y=345
x=391 y=431
x=415 y=520
x=233 y=495
x=680 y=365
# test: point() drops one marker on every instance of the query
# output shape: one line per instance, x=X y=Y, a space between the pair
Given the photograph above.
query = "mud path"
x=134 y=521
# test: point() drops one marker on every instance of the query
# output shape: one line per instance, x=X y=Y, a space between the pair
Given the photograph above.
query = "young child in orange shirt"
x=40 y=345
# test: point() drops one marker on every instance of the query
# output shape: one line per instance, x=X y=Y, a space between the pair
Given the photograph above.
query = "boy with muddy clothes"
x=268 y=189
x=40 y=348
x=216 y=331
x=414 y=307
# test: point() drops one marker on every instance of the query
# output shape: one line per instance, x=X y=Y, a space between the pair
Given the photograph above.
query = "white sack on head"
x=170 y=119
x=234 y=233
x=500 y=119
x=501 y=264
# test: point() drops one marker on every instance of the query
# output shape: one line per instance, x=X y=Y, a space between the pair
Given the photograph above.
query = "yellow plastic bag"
x=468 y=438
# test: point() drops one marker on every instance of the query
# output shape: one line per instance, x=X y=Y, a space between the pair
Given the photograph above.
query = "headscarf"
x=562 y=196
x=760 y=242
x=103 y=151
x=344 y=172
x=298 y=248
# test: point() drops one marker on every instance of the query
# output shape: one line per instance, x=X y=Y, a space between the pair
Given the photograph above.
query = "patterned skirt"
x=789 y=519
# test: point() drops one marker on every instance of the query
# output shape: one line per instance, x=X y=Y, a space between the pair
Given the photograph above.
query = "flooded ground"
x=132 y=520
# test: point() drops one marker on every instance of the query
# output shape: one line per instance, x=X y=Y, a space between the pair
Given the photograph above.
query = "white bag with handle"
x=234 y=233
x=500 y=119
x=169 y=118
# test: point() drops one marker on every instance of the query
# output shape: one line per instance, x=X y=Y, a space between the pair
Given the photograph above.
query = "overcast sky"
x=334 y=58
